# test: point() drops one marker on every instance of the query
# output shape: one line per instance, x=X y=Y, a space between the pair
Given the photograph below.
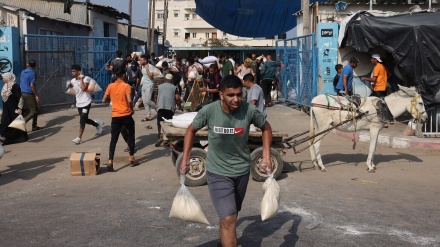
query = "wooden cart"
x=173 y=138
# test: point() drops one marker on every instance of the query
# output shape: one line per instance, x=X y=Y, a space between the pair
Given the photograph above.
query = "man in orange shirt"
x=379 y=79
x=122 y=110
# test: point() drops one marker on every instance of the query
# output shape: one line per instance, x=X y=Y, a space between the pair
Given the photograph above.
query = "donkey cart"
x=173 y=138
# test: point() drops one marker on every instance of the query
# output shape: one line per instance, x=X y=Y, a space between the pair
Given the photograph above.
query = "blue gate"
x=298 y=72
x=56 y=54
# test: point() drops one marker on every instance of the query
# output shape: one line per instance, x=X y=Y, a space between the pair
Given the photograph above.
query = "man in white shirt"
x=80 y=85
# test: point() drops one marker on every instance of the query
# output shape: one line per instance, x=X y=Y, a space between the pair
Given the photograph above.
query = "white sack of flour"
x=271 y=198
x=185 y=206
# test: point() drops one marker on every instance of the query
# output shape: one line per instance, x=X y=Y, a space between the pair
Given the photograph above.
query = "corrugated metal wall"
x=52 y=9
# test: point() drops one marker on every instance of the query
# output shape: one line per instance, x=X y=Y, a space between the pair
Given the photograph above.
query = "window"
x=207 y=35
x=186 y=35
x=282 y=36
x=186 y=17
x=160 y=15
x=176 y=32
x=176 y=14
x=194 y=16
x=194 y=35
x=225 y=34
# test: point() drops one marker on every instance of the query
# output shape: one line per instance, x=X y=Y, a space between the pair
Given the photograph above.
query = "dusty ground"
x=42 y=205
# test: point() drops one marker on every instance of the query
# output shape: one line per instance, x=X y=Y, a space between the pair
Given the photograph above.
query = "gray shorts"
x=227 y=193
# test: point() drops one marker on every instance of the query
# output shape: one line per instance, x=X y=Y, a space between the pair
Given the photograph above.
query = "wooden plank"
x=172 y=133
x=196 y=97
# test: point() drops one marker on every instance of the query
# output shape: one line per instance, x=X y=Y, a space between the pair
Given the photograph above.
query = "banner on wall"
x=327 y=42
x=9 y=53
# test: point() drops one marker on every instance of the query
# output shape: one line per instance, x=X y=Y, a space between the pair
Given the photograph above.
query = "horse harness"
x=382 y=109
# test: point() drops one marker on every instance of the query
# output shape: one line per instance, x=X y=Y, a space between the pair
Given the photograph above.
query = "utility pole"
x=306 y=16
x=165 y=19
x=130 y=6
x=151 y=24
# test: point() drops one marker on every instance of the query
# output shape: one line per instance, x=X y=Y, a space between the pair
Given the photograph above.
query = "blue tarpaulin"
x=250 y=18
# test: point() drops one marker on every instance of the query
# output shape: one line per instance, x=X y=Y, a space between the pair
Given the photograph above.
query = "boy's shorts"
x=227 y=193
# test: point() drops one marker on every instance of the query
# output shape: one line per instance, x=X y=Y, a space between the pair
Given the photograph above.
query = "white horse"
x=327 y=111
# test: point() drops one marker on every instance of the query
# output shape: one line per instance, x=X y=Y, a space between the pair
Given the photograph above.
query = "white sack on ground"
x=185 y=206
x=271 y=198
x=18 y=123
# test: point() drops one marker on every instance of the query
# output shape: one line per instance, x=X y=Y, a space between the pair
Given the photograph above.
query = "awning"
x=250 y=18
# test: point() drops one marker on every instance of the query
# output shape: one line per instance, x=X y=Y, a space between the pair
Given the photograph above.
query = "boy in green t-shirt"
x=228 y=158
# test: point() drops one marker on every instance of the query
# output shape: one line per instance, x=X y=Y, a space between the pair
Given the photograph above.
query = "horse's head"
x=417 y=107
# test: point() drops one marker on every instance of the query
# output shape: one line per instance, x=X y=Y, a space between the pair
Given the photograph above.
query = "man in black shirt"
x=213 y=79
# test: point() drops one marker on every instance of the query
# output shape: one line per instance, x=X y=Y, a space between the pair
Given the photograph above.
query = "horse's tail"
x=312 y=125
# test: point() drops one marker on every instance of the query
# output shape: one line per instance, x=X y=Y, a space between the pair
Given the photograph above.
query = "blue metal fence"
x=298 y=72
x=56 y=54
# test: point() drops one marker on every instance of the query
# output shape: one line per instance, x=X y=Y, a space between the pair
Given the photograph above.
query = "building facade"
x=186 y=29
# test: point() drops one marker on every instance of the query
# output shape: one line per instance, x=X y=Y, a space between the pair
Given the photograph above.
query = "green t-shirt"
x=227 y=67
x=228 y=152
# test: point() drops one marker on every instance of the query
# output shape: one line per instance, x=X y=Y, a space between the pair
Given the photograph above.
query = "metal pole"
x=165 y=19
x=150 y=4
x=429 y=4
x=371 y=4
x=130 y=5
x=153 y=17
x=306 y=16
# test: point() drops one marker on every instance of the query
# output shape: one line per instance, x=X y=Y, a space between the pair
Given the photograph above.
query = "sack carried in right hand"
x=271 y=198
x=185 y=206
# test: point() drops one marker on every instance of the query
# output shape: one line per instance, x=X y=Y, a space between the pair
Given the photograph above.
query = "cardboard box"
x=84 y=164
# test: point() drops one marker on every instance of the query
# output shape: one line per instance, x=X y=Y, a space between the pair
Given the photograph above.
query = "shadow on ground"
x=256 y=231
x=28 y=170
x=40 y=135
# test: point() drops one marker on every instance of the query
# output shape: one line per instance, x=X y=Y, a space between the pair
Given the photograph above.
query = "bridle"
x=414 y=107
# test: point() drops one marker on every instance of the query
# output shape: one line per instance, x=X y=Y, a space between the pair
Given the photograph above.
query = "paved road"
x=42 y=205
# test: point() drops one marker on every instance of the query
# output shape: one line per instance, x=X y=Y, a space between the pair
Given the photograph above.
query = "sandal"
x=127 y=150
x=146 y=119
x=134 y=163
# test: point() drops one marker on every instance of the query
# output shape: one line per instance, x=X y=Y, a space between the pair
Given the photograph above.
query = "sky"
x=140 y=9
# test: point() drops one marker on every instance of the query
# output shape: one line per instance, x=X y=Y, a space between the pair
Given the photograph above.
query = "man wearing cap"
x=379 y=77
x=167 y=95
x=345 y=82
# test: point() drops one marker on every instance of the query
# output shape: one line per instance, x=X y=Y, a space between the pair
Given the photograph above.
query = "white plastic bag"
x=271 y=198
x=18 y=123
x=185 y=206
x=70 y=90
x=93 y=86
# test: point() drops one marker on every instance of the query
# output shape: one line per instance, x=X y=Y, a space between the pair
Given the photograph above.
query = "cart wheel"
x=257 y=157
x=179 y=147
x=197 y=167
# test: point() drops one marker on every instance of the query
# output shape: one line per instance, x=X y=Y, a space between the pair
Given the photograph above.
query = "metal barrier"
x=298 y=72
x=56 y=54
x=431 y=128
